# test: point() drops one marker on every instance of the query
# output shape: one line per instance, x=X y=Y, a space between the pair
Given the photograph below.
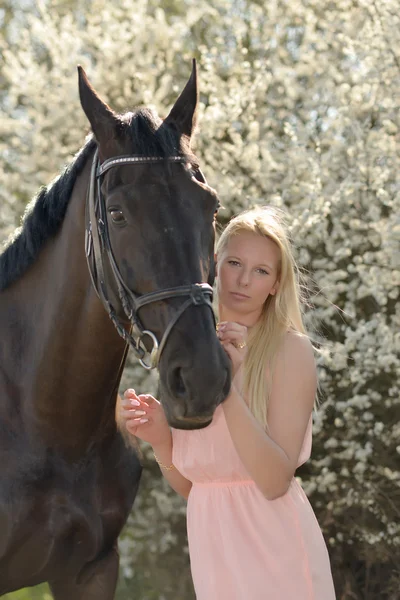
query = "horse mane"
x=45 y=213
x=42 y=219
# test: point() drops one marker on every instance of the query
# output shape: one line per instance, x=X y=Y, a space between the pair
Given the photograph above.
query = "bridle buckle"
x=197 y=295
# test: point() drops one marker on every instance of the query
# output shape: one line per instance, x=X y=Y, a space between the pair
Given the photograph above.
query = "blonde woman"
x=252 y=532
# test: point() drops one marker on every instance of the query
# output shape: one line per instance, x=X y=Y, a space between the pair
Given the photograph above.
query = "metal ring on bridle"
x=153 y=353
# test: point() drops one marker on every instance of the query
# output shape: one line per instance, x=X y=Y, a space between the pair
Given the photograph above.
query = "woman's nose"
x=244 y=278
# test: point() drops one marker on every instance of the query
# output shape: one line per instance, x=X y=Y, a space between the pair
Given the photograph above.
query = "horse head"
x=151 y=221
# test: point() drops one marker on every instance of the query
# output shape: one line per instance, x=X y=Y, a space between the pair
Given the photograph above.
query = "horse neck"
x=67 y=370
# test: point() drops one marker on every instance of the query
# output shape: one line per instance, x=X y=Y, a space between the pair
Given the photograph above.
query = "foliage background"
x=299 y=109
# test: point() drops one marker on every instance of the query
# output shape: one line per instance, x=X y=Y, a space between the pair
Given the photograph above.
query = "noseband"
x=97 y=244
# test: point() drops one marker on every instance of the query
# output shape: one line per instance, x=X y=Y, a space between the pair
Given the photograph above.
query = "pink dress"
x=243 y=546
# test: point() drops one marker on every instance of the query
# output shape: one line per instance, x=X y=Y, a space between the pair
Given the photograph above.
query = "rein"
x=98 y=244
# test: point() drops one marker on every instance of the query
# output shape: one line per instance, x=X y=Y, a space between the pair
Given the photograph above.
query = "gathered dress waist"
x=222 y=483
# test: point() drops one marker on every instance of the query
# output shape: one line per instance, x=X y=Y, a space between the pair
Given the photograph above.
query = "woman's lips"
x=240 y=296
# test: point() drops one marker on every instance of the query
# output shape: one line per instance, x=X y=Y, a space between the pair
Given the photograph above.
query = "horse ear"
x=183 y=114
x=102 y=118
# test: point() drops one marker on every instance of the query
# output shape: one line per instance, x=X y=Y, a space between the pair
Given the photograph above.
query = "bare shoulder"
x=293 y=390
x=295 y=362
x=297 y=346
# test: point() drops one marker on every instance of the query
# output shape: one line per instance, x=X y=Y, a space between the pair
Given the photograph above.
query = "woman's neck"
x=248 y=320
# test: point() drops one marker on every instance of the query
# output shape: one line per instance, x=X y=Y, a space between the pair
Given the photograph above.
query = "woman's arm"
x=271 y=459
x=178 y=482
x=142 y=416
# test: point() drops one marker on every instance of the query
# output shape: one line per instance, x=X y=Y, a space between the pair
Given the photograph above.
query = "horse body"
x=66 y=517
x=68 y=478
x=67 y=471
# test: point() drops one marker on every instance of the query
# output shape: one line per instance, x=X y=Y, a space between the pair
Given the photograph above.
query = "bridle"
x=97 y=245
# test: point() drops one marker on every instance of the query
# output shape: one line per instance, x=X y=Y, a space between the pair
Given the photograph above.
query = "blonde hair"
x=281 y=312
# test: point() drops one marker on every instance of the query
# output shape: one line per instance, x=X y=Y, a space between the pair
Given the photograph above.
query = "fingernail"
x=143 y=420
x=139 y=413
x=135 y=402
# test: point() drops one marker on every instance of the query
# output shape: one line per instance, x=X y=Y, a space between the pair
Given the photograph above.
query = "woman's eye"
x=233 y=262
x=263 y=271
x=117 y=216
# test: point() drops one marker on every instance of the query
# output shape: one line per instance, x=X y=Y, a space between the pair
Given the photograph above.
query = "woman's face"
x=247 y=273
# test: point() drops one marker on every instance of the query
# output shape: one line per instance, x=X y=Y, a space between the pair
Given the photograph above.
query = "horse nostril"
x=177 y=384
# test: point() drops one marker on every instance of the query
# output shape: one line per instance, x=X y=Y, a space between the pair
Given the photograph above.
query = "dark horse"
x=128 y=227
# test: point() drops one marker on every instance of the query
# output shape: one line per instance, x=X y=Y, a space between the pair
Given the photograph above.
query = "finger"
x=229 y=349
x=149 y=400
x=126 y=412
x=130 y=394
x=235 y=354
x=136 y=424
x=131 y=426
x=235 y=338
x=232 y=326
x=232 y=334
x=236 y=331
x=130 y=402
x=133 y=413
x=228 y=346
x=234 y=357
x=139 y=421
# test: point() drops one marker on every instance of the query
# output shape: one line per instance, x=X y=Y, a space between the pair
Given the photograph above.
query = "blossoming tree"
x=299 y=108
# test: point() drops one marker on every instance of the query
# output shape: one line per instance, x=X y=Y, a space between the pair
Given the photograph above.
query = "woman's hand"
x=233 y=337
x=144 y=418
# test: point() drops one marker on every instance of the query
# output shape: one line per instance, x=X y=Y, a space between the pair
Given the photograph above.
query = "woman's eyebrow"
x=258 y=265
x=266 y=265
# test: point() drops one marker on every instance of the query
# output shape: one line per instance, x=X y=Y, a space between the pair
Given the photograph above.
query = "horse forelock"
x=149 y=135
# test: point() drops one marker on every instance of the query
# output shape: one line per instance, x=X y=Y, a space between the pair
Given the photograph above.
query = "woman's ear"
x=275 y=288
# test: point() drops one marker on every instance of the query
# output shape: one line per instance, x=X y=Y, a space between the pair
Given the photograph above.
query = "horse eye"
x=117 y=216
